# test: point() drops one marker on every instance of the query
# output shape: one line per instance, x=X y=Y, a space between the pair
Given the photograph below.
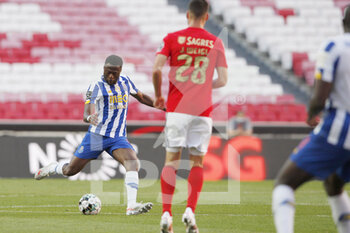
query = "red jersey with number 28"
x=194 y=54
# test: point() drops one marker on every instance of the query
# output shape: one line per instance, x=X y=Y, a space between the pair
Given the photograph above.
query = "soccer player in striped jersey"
x=325 y=153
x=105 y=110
x=194 y=55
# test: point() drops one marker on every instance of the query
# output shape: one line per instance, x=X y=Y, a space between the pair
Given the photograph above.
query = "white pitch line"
x=36 y=195
x=17 y=195
x=153 y=214
x=155 y=204
x=270 y=192
x=35 y=206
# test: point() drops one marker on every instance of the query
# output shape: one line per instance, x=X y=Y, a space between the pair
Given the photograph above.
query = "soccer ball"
x=90 y=204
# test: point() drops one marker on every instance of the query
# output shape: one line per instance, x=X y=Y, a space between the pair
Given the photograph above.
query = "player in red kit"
x=194 y=54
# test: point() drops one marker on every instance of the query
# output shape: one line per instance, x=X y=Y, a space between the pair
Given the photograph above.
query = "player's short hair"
x=198 y=8
x=113 y=60
x=346 y=18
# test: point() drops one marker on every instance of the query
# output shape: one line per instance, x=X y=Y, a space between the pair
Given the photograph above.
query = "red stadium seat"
x=298 y=59
x=308 y=71
x=39 y=37
x=2 y=36
x=75 y=98
x=286 y=12
x=74 y=110
x=2 y=110
x=285 y=99
x=71 y=44
x=56 y=110
x=15 y=110
x=341 y=3
x=36 y=110
x=265 y=115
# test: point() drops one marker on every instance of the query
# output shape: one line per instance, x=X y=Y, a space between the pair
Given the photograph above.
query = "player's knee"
x=132 y=164
x=333 y=185
x=292 y=176
x=285 y=180
x=194 y=151
x=173 y=149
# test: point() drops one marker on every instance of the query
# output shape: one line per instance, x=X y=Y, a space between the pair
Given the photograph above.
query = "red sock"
x=167 y=183
x=195 y=184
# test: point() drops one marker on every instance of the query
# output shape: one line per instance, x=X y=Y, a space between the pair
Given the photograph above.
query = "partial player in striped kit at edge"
x=325 y=153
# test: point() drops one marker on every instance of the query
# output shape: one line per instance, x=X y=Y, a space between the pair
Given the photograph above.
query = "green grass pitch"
x=51 y=205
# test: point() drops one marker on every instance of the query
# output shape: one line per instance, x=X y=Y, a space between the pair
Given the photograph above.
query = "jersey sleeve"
x=327 y=61
x=132 y=87
x=221 y=59
x=92 y=94
x=165 y=46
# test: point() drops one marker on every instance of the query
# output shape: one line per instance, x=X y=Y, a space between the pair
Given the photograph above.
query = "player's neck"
x=196 y=24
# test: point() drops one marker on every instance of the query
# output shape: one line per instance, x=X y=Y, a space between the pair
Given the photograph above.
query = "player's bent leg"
x=128 y=158
x=61 y=168
x=73 y=167
x=333 y=185
x=339 y=201
x=291 y=175
x=289 y=178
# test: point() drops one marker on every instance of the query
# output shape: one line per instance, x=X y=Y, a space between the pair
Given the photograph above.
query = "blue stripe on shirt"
x=335 y=66
x=329 y=46
x=344 y=130
x=132 y=84
x=105 y=107
x=121 y=117
x=328 y=121
x=115 y=113
x=94 y=94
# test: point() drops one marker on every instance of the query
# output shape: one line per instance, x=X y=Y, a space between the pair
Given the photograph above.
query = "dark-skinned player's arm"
x=90 y=116
x=157 y=80
x=222 y=77
x=318 y=100
x=144 y=99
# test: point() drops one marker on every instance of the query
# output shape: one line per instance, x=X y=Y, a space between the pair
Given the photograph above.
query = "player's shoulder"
x=124 y=78
x=209 y=34
x=333 y=43
x=96 y=83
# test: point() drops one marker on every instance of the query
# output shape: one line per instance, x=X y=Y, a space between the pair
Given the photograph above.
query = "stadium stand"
x=51 y=50
x=290 y=32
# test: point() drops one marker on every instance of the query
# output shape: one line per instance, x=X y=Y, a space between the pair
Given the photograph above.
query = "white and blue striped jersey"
x=333 y=66
x=111 y=104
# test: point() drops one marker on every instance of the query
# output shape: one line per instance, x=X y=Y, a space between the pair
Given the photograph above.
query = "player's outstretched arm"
x=222 y=77
x=144 y=99
x=318 y=100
